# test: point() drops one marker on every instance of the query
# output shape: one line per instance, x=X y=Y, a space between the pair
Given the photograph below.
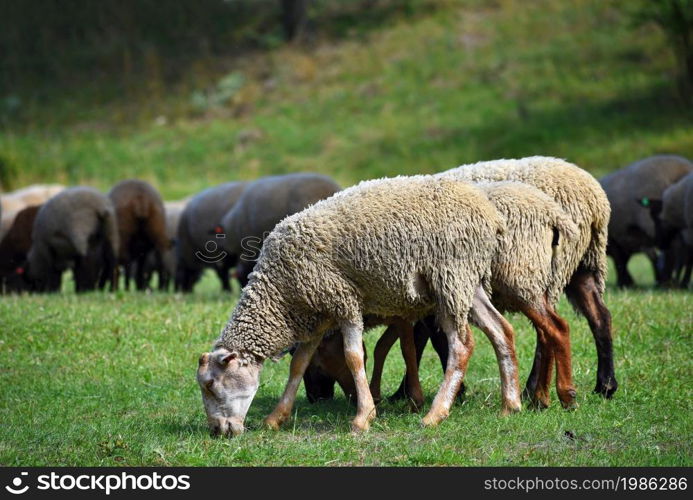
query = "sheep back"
x=268 y=200
x=140 y=217
x=64 y=226
x=528 y=265
x=576 y=192
x=405 y=247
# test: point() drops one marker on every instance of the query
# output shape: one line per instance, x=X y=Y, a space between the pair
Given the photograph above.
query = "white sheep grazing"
x=402 y=247
x=581 y=196
x=529 y=274
x=526 y=275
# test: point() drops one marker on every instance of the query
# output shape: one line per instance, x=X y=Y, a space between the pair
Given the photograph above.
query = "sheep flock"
x=427 y=256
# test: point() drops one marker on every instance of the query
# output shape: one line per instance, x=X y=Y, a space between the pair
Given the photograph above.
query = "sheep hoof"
x=606 y=389
x=511 y=409
x=273 y=423
x=359 y=426
x=432 y=419
x=415 y=404
x=568 y=399
x=539 y=401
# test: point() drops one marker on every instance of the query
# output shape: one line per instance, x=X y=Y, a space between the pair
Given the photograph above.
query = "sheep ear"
x=224 y=360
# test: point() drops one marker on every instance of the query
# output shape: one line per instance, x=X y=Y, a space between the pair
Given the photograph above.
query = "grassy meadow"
x=466 y=81
x=109 y=378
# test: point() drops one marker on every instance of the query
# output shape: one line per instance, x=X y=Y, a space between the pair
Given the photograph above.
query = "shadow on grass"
x=323 y=416
x=583 y=124
x=653 y=109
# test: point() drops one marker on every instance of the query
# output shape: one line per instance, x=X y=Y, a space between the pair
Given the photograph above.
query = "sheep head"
x=228 y=383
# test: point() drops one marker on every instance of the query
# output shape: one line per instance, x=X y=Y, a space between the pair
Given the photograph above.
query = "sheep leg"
x=585 y=295
x=382 y=348
x=141 y=281
x=539 y=380
x=161 y=271
x=421 y=335
x=406 y=342
x=564 y=366
x=460 y=347
x=621 y=258
x=440 y=345
x=533 y=378
x=222 y=271
x=299 y=363
x=127 y=268
x=557 y=334
x=502 y=337
x=688 y=265
x=353 y=352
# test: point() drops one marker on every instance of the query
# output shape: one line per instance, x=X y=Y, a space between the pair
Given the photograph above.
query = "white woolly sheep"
x=402 y=247
x=582 y=198
x=526 y=275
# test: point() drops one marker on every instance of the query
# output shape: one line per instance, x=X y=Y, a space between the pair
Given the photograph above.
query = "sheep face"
x=228 y=384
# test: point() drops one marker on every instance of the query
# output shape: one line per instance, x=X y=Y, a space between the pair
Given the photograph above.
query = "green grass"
x=109 y=379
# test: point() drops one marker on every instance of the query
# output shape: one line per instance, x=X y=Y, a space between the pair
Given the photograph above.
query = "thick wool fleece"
x=677 y=207
x=575 y=191
x=64 y=225
x=529 y=263
x=406 y=247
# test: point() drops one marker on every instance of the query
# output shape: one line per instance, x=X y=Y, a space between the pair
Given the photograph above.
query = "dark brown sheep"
x=14 y=248
x=141 y=228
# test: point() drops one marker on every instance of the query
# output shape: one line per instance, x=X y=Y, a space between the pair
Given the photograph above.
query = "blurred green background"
x=188 y=94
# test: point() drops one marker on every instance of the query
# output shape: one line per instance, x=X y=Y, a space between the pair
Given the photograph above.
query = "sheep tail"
x=563 y=228
x=140 y=208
